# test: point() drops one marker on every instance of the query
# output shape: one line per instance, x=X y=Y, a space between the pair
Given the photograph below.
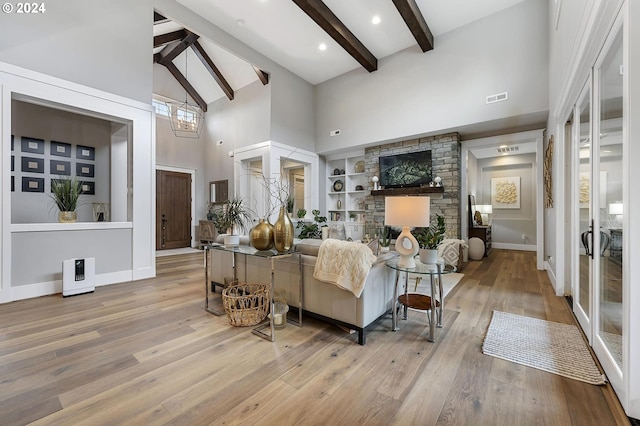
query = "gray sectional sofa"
x=319 y=299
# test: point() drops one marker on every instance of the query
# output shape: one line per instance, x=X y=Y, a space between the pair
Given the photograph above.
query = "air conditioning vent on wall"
x=497 y=97
x=507 y=149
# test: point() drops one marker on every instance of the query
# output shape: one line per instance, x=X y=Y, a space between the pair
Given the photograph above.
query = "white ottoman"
x=476 y=248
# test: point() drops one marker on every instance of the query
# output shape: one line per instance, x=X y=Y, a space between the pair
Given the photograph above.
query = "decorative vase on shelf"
x=67 y=217
x=261 y=235
x=283 y=232
x=339 y=204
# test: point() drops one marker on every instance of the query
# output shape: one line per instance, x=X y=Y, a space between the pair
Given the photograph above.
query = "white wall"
x=292 y=113
x=414 y=93
x=508 y=225
x=101 y=44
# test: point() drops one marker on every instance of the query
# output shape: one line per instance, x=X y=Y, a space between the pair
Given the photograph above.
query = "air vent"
x=507 y=149
x=497 y=97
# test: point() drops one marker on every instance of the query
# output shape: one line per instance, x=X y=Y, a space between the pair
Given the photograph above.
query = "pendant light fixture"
x=186 y=120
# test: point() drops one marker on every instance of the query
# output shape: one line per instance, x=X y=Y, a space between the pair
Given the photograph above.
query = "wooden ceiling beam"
x=415 y=21
x=158 y=18
x=163 y=39
x=325 y=18
x=262 y=75
x=186 y=85
x=213 y=70
x=170 y=53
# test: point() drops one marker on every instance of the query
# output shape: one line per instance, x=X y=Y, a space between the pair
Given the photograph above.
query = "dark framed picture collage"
x=35 y=163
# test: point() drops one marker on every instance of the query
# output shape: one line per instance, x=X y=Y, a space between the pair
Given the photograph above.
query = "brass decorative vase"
x=67 y=217
x=261 y=235
x=283 y=232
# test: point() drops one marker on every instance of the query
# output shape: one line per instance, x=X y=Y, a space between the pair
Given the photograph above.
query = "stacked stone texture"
x=445 y=159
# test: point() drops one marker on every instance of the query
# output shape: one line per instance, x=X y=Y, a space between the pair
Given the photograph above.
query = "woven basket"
x=246 y=304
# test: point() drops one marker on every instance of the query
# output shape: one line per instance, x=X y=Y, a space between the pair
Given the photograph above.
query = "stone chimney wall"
x=445 y=158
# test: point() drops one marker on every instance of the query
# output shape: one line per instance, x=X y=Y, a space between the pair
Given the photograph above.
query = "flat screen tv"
x=405 y=170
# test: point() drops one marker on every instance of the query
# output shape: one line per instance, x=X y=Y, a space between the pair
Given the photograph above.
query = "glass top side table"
x=421 y=301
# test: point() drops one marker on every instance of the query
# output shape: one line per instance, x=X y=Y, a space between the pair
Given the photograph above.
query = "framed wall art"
x=505 y=192
x=88 y=188
x=62 y=168
x=85 y=152
x=32 y=165
x=85 y=170
x=548 y=168
x=31 y=145
x=60 y=149
x=32 y=184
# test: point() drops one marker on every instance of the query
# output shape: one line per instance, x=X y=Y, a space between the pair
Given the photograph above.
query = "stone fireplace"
x=445 y=153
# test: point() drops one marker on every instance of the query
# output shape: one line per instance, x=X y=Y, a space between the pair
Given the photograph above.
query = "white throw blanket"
x=344 y=263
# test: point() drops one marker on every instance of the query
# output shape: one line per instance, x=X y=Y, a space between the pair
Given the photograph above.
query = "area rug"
x=545 y=345
x=449 y=281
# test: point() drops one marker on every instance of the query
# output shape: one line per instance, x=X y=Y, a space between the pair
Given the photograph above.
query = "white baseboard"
x=551 y=274
x=47 y=288
x=507 y=246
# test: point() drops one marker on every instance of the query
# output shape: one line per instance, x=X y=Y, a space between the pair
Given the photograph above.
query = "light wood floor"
x=147 y=353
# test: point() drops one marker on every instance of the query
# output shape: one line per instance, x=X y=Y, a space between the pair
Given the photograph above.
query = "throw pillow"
x=337 y=231
x=374 y=245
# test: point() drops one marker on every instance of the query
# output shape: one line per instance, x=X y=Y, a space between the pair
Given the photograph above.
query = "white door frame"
x=191 y=172
x=496 y=141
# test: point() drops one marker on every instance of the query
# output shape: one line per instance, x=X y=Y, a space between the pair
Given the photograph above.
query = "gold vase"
x=283 y=232
x=261 y=235
x=67 y=217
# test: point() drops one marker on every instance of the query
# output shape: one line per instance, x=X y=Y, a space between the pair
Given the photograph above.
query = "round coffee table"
x=421 y=301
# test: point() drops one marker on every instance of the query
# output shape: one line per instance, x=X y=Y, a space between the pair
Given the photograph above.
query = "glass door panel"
x=610 y=206
x=583 y=240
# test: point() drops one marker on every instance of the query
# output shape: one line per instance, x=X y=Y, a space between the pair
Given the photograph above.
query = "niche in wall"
x=50 y=143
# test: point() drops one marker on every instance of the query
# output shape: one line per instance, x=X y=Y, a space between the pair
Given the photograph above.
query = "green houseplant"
x=231 y=217
x=429 y=238
x=65 y=193
x=313 y=229
x=385 y=239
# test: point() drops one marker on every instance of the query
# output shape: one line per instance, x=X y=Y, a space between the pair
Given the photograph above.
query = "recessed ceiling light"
x=322 y=47
x=240 y=22
x=375 y=20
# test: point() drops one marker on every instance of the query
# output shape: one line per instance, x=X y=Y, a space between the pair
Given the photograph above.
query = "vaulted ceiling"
x=290 y=32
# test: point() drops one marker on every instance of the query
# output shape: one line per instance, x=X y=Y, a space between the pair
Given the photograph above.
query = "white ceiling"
x=280 y=30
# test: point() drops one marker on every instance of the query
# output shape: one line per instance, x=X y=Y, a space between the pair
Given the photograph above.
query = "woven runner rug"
x=549 y=346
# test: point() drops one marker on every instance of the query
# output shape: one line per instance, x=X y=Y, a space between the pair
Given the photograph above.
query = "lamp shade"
x=485 y=208
x=406 y=211
x=615 y=208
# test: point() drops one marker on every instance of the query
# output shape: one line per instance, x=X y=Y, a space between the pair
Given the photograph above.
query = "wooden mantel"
x=410 y=191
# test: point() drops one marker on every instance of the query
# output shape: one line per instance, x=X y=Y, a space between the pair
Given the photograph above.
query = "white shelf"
x=350 y=196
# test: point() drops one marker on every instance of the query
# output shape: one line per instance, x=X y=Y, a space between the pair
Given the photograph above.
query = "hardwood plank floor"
x=147 y=353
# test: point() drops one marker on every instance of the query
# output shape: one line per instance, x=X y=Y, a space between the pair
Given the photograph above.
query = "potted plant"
x=429 y=238
x=385 y=240
x=310 y=230
x=230 y=218
x=65 y=193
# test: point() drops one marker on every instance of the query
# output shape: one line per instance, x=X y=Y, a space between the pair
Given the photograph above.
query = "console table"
x=484 y=233
x=272 y=255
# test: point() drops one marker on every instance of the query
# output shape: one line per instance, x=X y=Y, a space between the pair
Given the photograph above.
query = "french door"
x=597 y=206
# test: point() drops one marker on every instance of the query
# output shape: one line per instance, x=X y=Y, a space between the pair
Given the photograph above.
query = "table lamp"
x=485 y=210
x=406 y=212
x=617 y=210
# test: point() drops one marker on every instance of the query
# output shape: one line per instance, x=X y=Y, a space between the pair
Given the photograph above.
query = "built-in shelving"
x=347 y=205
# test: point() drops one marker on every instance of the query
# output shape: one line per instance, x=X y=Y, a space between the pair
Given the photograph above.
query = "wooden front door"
x=173 y=210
